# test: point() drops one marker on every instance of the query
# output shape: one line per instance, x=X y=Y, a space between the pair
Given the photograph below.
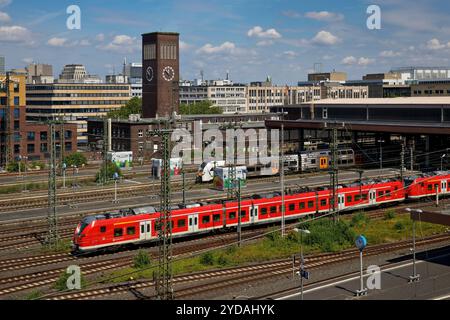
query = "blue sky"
x=250 y=38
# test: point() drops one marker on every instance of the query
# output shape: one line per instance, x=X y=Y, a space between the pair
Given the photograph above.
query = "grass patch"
x=34 y=295
x=325 y=236
x=61 y=283
x=141 y=260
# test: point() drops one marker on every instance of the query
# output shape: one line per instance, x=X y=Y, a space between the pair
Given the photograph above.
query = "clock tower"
x=160 y=74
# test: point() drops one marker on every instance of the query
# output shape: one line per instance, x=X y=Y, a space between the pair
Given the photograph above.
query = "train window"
x=243 y=213
x=205 y=219
x=232 y=215
x=323 y=202
x=380 y=193
x=216 y=217
x=292 y=207
x=190 y=221
x=388 y=193
x=313 y=161
x=310 y=204
x=142 y=228
x=131 y=231
x=263 y=210
x=357 y=197
x=181 y=223
x=430 y=187
x=349 y=198
x=273 y=209
x=118 y=232
x=364 y=196
x=102 y=229
x=301 y=205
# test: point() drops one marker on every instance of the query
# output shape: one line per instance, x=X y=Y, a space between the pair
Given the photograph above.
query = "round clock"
x=149 y=74
x=168 y=73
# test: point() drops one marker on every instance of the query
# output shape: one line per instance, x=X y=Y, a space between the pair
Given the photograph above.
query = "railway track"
x=10 y=285
x=229 y=278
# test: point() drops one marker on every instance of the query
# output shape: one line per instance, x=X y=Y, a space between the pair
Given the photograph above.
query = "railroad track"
x=10 y=285
x=228 y=278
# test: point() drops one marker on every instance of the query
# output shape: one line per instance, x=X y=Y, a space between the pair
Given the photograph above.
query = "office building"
x=2 y=64
x=75 y=102
x=76 y=73
x=27 y=140
x=39 y=73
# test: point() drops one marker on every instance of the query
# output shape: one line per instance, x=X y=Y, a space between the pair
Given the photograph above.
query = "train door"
x=193 y=222
x=443 y=186
x=341 y=201
x=372 y=196
x=253 y=214
x=146 y=230
x=323 y=162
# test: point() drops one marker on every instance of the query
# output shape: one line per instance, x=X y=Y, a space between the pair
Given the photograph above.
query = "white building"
x=76 y=73
x=422 y=73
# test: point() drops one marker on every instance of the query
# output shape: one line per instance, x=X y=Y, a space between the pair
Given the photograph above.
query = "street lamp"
x=303 y=274
x=415 y=277
x=64 y=166
x=442 y=159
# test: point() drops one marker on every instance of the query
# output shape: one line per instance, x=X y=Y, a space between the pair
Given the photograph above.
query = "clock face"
x=149 y=74
x=168 y=73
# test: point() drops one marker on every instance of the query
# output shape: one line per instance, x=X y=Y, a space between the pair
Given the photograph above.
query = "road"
x=253 y=187
x=434 y=283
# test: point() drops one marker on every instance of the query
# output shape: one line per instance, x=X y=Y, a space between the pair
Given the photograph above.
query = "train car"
x=428 y=185
x=321 y=159
x=139 y=225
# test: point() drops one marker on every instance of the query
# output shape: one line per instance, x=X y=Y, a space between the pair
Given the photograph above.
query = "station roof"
x=386 y=101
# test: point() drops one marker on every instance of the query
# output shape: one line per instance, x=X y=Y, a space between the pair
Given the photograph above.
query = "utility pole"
x=411 y=150
x=334 y=173
x=164 y=279
x=52 y=237
x=105 y=177
x=231 y=189
x=239 y=214
x=184 y=184
x=62 y=146
x=283 y=209
x=8 y=158
x=402 y=159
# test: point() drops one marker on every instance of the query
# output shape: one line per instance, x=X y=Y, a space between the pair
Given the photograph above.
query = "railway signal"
x=361 y=243
x=303 y=273
x=52 y=236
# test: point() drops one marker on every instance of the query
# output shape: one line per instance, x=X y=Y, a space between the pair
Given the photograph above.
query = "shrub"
x=274 y=236
x=141 y=260
x=399 y=226
x=207 y=259
x=61 y=283
x=75 y=159
x=223 y=260
x=359 y=219
x=14 y=167
x=111 y=168
x=389 y=214
x=231 y=249
x=328 y=235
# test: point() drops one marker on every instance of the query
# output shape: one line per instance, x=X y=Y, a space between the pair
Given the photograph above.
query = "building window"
x=141 y=133
x=30 y=136
x=30 y=148
x=17 y=148
x=44 y=147
x=16 y=101
x=43 y=135
x=16 y=113
x=68 y=146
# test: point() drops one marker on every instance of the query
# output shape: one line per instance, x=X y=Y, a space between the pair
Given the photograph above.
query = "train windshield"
x=84 y=223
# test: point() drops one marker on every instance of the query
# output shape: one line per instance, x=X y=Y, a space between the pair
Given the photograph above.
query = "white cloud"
x=14 y=34
x=264 y=43
x=325 y=38
x=28 y=60
x=184 y=46
x=4 y=3
x=226 y=47
x=260 y=33
x=435 y=44
x=122 y=44
x=365 y=61
x=389 y=54
x=4 y=17
x=100 y=37
x=290 y=54
x=324 y=16
x=349 y=60
x=84 y=43
x=57 y=42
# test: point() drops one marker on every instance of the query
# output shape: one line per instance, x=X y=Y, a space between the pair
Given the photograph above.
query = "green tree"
x=75 y=159
x=133 y=106
x=202 y=107
x=111 y=168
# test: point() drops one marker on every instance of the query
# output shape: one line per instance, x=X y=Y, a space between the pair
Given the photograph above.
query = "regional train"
x=138 y=226
x=305 y=161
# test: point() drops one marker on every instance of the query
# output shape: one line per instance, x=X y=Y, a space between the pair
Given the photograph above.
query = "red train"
x=137 y=226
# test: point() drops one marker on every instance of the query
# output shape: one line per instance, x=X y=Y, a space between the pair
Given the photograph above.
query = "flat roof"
x=381 y=101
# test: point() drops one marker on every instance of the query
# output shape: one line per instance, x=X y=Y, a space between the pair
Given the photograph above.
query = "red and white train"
x=137 y=226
